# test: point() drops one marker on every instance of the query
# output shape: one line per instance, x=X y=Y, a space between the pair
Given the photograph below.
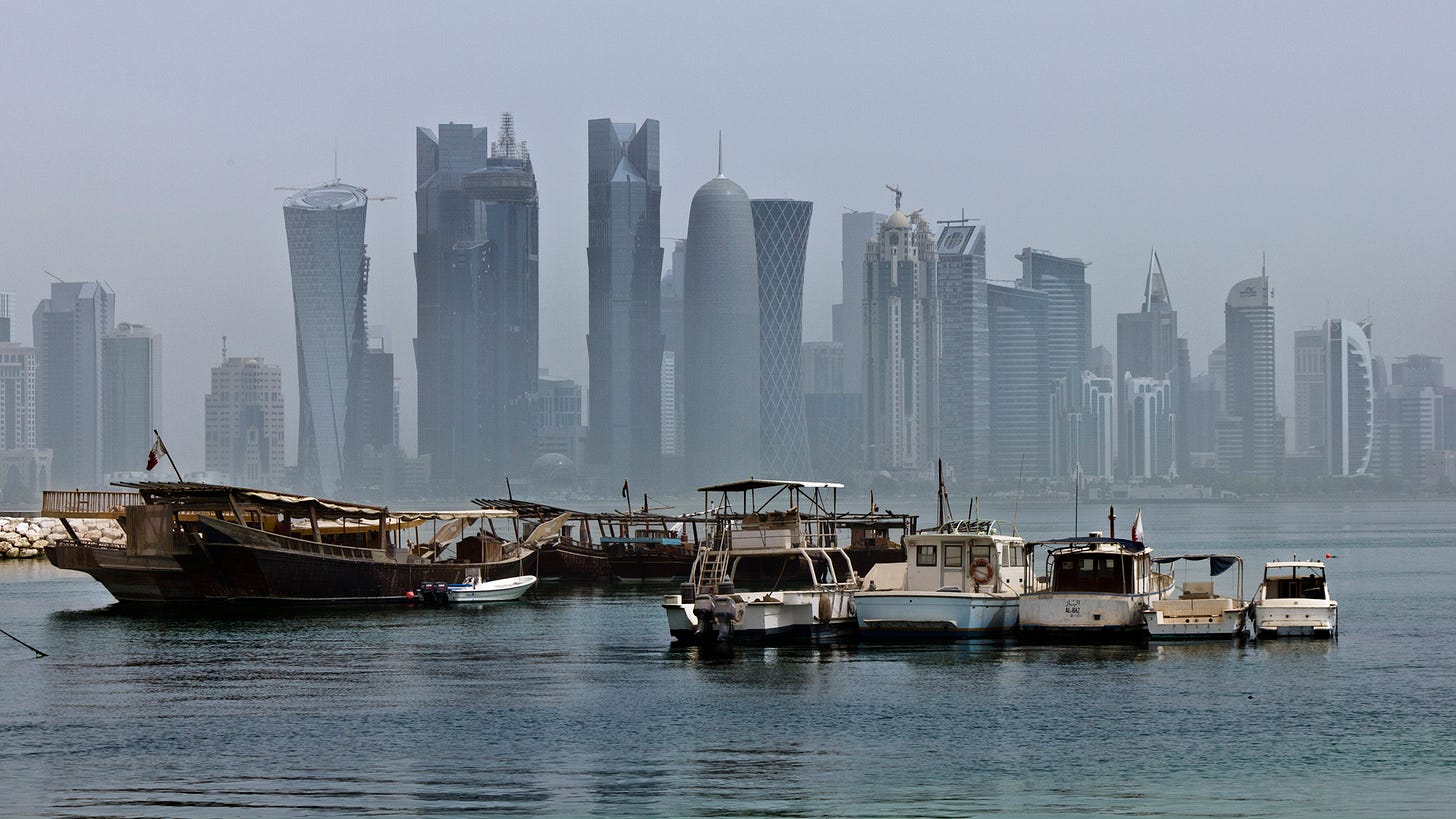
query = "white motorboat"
x=1294 y=601
x=960 y=580
x=1199 y=612
x=475 y=590
x=1098 y=587
x=772 y=571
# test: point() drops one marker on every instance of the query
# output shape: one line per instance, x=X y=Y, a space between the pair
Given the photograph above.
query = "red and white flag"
x=158 y=450
x=1137 y=527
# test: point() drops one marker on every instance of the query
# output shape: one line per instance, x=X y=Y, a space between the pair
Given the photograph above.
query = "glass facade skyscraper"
x=244 y=422
x=1147 y=348
x=131 y=394
x=450 y=260
x=1020 y=388
x=68 y=329
x=965 y=353
x=781 y=236
x=325 y=227
x=624 y=269
x=720 y=367
x=1251 y=434
x=1350 y=384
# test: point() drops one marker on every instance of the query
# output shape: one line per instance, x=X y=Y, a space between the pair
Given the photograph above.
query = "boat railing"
x=91 y=544
x=288 y=543
x=76 y=504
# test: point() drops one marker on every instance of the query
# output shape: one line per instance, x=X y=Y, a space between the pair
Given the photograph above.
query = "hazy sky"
x=142 y=142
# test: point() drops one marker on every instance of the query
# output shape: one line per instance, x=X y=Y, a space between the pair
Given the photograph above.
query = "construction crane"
x=896 y=191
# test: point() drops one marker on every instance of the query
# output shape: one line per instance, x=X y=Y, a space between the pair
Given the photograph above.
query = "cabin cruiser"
x=1097 y=589
x=1198 y=612
x=1294 y=601
x=960 y=580
x=769 y=569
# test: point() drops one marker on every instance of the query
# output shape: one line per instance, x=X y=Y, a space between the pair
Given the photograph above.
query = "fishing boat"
x=648 y=553
x=1097 y=589
x=476 y=590
x=1199 y=612
x=1294 y=601
x=192 y=543
x=767 y=570
x=963 y=580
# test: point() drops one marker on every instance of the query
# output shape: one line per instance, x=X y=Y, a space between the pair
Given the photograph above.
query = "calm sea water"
x=572 y=703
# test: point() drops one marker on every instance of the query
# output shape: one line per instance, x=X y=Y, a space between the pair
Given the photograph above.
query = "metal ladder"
x=714 y=567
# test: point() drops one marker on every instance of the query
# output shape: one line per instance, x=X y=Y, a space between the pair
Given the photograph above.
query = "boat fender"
x=982 y=572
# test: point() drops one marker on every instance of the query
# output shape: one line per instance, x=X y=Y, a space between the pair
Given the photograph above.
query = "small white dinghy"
x=475 y=590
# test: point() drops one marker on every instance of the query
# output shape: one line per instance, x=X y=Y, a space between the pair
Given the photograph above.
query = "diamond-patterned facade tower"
x=781 y=236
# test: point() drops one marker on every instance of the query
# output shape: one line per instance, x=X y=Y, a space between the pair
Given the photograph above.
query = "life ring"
x=982 y=572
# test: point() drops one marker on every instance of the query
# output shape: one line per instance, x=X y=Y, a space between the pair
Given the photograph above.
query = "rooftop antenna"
x=896 y=191
x=224 y=348
x=720 y=152
x=336 y=160
x=961 y=221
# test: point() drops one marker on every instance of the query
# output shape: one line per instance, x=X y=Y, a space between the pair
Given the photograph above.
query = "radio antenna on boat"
x=38 y=652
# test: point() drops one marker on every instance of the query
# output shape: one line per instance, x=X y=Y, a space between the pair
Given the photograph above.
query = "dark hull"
x=226 y=571
x=651 y=565
x=862 y=558
x=569 y=562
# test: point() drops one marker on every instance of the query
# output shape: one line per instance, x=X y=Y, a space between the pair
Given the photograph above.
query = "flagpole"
x=168 y=453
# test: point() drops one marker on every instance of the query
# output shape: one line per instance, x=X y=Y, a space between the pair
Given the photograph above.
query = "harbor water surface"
x=573 y=702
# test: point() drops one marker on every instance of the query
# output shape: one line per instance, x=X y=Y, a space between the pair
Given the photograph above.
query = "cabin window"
x=954 y=555
x=925 y=555
x=1106 y=574
x=981 y=553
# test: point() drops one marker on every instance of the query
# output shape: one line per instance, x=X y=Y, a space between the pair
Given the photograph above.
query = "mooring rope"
x=38 y=652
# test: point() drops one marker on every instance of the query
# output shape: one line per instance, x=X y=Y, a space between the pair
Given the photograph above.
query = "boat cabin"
x=1096 y=565
x=1302 y=579
x=963 y=555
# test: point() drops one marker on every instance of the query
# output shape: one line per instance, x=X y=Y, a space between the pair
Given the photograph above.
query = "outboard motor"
x=726 y=612
x=703 y=613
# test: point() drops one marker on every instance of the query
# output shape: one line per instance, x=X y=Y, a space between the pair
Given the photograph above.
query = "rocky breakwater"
x=28 y=537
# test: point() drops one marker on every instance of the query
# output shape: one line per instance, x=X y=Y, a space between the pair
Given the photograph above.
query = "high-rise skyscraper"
x=720 y=371
x=1350 y=388
x=450 y=263
x=325 y=227
x=965 y=352
x=624 y=269
x=1147 y=348
x=1020 y=387
x=672 y=356
x=502 y=389
x=1311 y=348
x=17 y=396
x=131 y=394
x=7 y=310
x=68 y=329
x=781 y=236
x=1069 y=322
x=901 y=368
x=244 y=422
x=857 y=229
x=1251 y=438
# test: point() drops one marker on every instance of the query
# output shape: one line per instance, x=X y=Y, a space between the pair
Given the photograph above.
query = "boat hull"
x=491 y=591
x=1055 y=617
x=789 y=616
x=1224 y=626
x=916 y=616
x=1296 y=618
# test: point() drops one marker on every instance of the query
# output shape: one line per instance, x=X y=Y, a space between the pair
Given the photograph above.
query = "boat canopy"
x=209 y=495
x=765 y=483
x=1217 y=564
x=1130 y=545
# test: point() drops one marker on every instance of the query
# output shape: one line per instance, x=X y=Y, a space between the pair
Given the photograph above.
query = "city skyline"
x=1283 y=167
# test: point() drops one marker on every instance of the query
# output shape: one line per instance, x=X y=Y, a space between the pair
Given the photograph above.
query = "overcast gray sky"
x=142 y=142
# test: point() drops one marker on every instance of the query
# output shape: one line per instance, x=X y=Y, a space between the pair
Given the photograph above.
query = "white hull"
x=491 y=591
x=762 y=616
x=945 y=615
x=1084 y=615
x=1214 y=619
x=1292 y=617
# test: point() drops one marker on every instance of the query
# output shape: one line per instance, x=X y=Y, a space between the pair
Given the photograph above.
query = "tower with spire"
x=1149 y=381
x=721 y=362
